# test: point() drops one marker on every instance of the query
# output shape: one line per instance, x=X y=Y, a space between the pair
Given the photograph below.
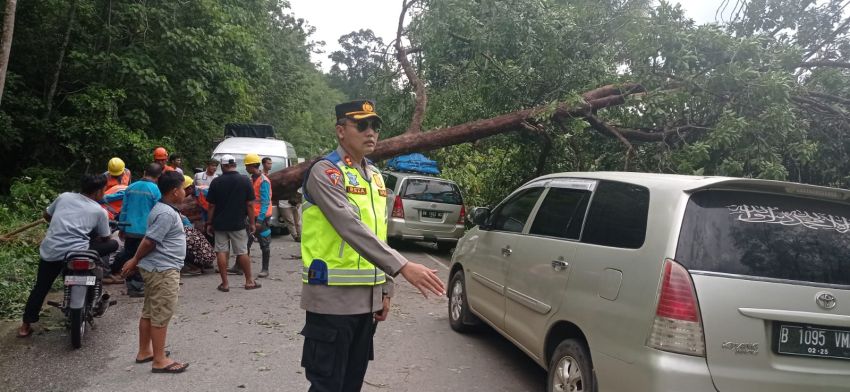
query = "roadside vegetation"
x=19 y=255
x=762 y=92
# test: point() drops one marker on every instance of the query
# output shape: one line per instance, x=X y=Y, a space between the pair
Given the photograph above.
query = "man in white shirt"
x=204 y=178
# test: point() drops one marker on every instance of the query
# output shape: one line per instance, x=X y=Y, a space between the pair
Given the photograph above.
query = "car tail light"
x=398 y=208
x=677 y=326
x=80 y=265
x=462 y=218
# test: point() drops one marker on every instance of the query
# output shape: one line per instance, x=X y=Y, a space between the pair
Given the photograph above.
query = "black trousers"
x=48 y=271
x=265 y=243
x=337 y=350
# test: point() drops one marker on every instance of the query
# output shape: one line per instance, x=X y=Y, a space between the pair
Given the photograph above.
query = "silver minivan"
x=652 y=282
x=422 y=207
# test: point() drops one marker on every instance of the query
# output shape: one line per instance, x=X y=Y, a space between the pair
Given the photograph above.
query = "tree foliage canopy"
x=762 y=92
x=133 y=75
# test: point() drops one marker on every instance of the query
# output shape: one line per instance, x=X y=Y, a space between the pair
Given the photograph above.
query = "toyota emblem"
x=825 y=300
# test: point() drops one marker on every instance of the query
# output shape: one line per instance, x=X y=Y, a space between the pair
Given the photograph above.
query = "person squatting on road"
x=139 y=198
x=346 y=287
x=262 y=210
x=231 y=201
x=199 y=252
x=159 y=258
x=76 y=223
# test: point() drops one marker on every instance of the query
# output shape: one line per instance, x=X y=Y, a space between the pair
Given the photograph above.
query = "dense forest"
x=762 y=92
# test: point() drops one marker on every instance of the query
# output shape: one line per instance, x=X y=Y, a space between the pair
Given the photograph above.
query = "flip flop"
x=223 y=289
x=150 y=358
x=175 y=367
x=255 y=286
x=26 y=335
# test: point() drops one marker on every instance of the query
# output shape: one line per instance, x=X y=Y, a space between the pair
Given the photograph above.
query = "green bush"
x=28 y=197
x=18 y=267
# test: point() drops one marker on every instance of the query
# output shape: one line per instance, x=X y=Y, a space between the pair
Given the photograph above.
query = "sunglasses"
x=365 y=124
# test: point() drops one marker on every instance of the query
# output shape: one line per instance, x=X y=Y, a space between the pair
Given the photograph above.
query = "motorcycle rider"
x=74 y=219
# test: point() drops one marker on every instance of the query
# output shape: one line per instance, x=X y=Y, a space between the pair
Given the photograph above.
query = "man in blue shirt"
x=73 y=217
x=139 y=199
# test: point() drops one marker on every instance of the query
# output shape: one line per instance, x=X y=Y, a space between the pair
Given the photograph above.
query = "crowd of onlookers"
x=157 y=242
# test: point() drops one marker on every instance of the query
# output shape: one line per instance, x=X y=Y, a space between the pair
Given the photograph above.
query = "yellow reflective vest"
x=328 y=259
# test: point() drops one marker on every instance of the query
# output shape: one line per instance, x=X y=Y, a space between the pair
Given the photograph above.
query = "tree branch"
x=819 y=106
x=603 y=127
x=824 y=63
x=6 y=41
x=828 y=97
x=286 y=181
x=838 y=30
x=418 y=86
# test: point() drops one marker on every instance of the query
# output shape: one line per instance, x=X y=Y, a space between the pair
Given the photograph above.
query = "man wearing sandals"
x=347 y=265
x=159 y=259
x=231 y=200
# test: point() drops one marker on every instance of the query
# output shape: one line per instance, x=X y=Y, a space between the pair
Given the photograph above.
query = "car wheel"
x=461 y=318
x=445 y=247
x=570 y=369
x=394 y=243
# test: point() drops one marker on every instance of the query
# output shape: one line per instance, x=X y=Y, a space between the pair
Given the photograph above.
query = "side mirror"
x=479 y=216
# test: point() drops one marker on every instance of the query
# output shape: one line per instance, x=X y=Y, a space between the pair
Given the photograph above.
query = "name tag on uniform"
x=355 y=190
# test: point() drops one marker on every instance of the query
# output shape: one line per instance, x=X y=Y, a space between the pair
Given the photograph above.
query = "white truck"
x=243 y=139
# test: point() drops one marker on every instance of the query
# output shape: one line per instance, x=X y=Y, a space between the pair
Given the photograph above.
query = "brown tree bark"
x=286 y=181
x=6 y=41
x=401 y=53
x=51 y=94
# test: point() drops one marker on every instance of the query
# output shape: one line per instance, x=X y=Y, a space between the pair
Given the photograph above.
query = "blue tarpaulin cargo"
x=415 y=162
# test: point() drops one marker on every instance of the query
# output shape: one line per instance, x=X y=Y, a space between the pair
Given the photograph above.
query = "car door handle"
x=506 y=251
x=560 y=264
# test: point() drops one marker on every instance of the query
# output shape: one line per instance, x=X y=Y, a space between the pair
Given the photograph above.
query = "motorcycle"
x=84 y=297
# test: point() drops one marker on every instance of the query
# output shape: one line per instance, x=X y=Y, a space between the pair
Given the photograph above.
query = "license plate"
x=76 y=280
x=811 y=341
x=432 y=214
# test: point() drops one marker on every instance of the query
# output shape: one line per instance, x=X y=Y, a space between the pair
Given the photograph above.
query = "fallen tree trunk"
x=286 y=181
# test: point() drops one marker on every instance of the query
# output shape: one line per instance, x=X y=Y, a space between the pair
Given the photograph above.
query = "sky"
x=334 y=18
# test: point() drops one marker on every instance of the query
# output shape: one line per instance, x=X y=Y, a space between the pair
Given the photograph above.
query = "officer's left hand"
x=385 y=312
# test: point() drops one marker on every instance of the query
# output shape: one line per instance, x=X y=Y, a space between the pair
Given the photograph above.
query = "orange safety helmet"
x=160 y=154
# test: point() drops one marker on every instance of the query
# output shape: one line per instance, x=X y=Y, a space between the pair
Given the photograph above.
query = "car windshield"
x=765 y=235
x=426 y=189
x=278 y=163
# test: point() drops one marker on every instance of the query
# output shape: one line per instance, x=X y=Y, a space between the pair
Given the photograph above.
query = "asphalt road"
x=248 y=340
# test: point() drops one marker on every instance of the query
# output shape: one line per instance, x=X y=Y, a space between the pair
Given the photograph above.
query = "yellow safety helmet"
x=252 y=159
x=187 y=181
x=115 y=167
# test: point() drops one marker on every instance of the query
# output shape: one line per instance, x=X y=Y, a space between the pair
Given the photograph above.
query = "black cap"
x=356 y=110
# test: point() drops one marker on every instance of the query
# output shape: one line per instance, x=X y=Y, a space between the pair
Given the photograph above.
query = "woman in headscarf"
x=199 y=252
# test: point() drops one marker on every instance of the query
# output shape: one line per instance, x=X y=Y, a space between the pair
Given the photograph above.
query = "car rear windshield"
x=425 y=189
x=769 y=236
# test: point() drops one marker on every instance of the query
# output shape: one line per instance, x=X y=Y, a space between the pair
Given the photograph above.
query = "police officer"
x=347 y=263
